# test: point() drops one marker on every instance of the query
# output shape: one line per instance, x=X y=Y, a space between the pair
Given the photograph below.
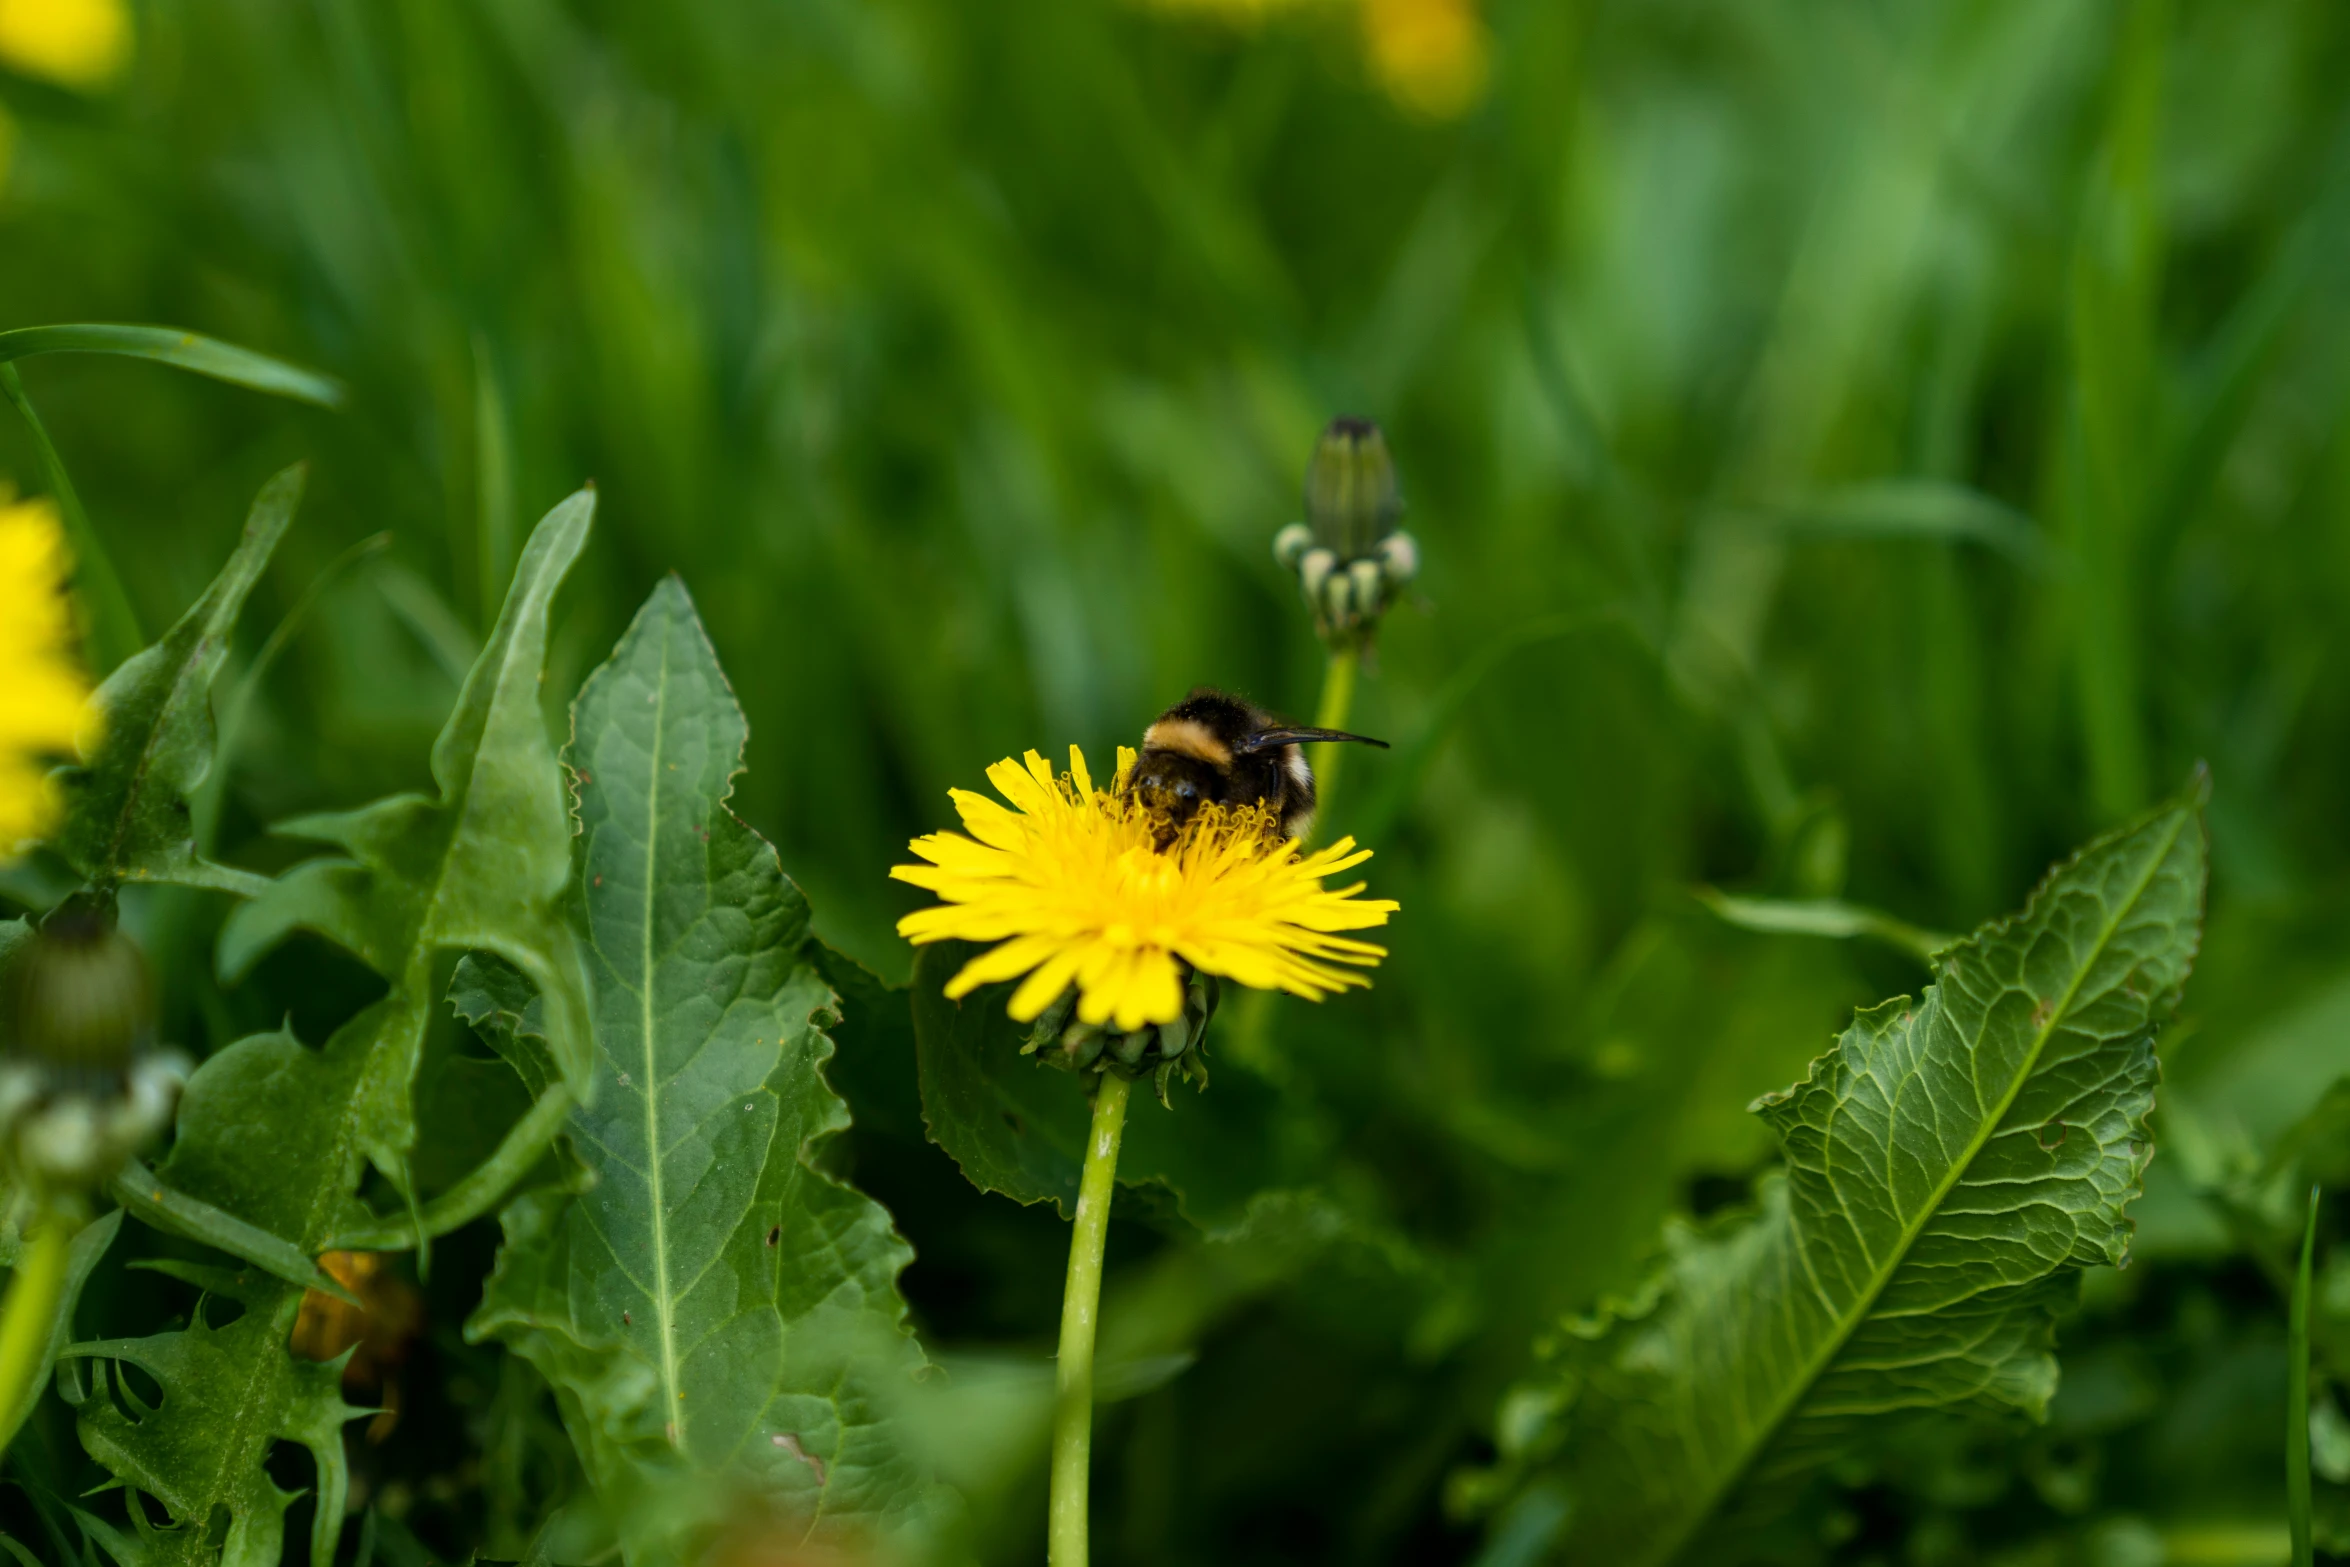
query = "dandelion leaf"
x=479 y=866
x=708 y=1304
x=1952 y=1163
x=129 y=812
x=230 y=1395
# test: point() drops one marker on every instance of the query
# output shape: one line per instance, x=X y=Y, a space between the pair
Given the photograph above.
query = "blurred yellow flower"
x=80 y=43
x=44 y=695
x=1432 y=56
x=1073 y=884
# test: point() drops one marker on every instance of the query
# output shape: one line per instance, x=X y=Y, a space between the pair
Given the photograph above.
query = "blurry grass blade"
x=1928 y=509
x=1952 y=1163
x=114 y=624
x=2297 y=1397
x=176 y=1213
x=2111 y=305
x=750 y=1298
x=187 y=350
x=1823 y=917
x=493 y=478
x=479 y=866
x=82 y=1254
x=129 y=816
x=440 y=629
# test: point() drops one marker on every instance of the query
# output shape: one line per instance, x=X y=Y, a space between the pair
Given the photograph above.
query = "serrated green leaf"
x=480 y=867
x=129 y=813
x=712 y=1303
x=230 y=1395
x=1952 y=1163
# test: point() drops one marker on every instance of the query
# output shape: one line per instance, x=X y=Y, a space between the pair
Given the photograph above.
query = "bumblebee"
x=1213 y=747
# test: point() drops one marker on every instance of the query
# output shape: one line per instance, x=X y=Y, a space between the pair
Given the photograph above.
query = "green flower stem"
x=1338 y=697
x=30 y=1313
x=1080 y=1306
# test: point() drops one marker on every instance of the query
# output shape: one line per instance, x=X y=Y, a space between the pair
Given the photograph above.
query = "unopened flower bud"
x=1351 y=497
x=1291 y=544
x=1348 y=554
x=81 y=1084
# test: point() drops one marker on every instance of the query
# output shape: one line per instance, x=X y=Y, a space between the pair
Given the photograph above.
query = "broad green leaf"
x=187 y=350
x=1017 y=1126
x=230 y=1395
x=82 y=1254
x=711 y=1302
x=129 y=815
x=481 y=866
x=1952 y=1163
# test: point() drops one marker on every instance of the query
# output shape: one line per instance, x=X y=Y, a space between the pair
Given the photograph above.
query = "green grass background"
x=1858 y=451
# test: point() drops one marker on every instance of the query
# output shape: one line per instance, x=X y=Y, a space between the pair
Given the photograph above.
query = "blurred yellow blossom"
x=79 y=43
x=44 y=695
x=1432 y=56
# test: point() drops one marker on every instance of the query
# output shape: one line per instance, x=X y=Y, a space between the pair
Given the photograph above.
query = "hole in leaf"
x=136 y=1392
x=218 y=1311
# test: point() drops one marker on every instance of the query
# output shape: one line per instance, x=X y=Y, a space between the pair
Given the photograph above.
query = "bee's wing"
x=1266 y=739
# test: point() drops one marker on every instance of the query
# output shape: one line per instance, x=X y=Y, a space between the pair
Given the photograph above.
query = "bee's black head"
x=1175 y=784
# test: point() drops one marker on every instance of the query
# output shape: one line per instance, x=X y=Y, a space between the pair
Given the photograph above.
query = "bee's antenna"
x=1266 y=739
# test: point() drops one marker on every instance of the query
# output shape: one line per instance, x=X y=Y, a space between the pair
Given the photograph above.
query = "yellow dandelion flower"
x=44 y=696
x=1431 y=55
x=80 y=43
x=1073 y=885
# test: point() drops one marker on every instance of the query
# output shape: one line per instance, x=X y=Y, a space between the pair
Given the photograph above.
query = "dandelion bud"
x=81 y=1084
x=1291 y=544
x=1351 y=497
x=1348 y=555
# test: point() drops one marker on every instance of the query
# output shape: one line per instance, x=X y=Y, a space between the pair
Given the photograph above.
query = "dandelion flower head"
x=44 y=696
x=75 y=43
x=1083 y=886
